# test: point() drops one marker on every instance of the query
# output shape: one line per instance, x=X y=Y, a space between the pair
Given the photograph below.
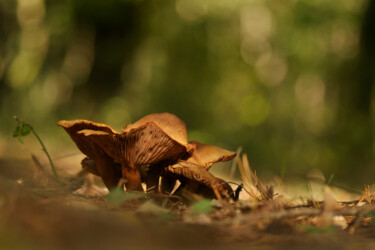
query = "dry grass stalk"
x=252 y=184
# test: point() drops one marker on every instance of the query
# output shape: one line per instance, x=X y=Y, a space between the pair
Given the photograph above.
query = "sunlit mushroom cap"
x=206 y=155
x=170 y=124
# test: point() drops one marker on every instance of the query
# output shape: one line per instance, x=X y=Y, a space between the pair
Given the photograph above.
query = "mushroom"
x=193 y=176
x=193 y=172
x=105 y=165
x=153 y=139
x=206 y=155
x=158 y=141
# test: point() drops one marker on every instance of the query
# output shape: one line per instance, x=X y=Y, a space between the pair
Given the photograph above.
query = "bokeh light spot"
x=30 y=12
x=344 y=42
x=190 y=10
x=23 y=70
x=256 y=22
x=271 y=68
x=57 y=89
x=251 y=50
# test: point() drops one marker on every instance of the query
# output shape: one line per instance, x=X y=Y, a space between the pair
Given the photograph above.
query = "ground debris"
x=44 y=215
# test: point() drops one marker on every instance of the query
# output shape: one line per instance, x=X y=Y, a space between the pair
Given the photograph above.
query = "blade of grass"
x=234 y=164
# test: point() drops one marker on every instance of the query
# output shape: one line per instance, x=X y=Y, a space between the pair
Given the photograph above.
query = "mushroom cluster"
x=158 y=141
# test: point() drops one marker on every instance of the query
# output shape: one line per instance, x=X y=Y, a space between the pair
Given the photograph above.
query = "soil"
x=37 y=213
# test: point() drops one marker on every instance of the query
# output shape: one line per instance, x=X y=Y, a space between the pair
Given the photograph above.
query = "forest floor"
x=36 y=213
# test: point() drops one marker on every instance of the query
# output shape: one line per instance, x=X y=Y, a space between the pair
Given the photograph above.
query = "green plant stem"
x=19 y=134
x=49 y=157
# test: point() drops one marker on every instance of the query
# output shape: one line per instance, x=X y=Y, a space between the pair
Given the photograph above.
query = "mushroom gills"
x=144 y=145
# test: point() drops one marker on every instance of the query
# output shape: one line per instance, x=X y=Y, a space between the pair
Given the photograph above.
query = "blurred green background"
x=289 y=81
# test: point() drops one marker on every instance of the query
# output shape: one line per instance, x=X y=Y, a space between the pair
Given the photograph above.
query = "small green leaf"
x=25 y=129
x=16 y=132
x=202 y=207
x=20 y=139
x=117 y=196
x=21 y=130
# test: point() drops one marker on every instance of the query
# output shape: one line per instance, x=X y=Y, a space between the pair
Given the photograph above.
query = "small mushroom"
x=105 y=165
x=193 y=172
x=192 y=175
x=206 y=155
x=153 y=139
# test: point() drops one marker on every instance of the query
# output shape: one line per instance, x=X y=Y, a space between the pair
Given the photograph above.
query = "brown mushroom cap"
x=105 y=164
x=206 y=155
x=142 y=146
x=170 y=124
x=85 y=144
x=195 y=169
x=104 y=140
x=154 y=138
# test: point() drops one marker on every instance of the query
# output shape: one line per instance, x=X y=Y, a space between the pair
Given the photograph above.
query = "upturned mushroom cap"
x=206 y=155
x=86 y=145
x=105 y=164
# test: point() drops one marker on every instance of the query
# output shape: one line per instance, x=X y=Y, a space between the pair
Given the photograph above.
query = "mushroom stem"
x=132 y=177
x=152 y=179
x=106 y=170
x=89 y=165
